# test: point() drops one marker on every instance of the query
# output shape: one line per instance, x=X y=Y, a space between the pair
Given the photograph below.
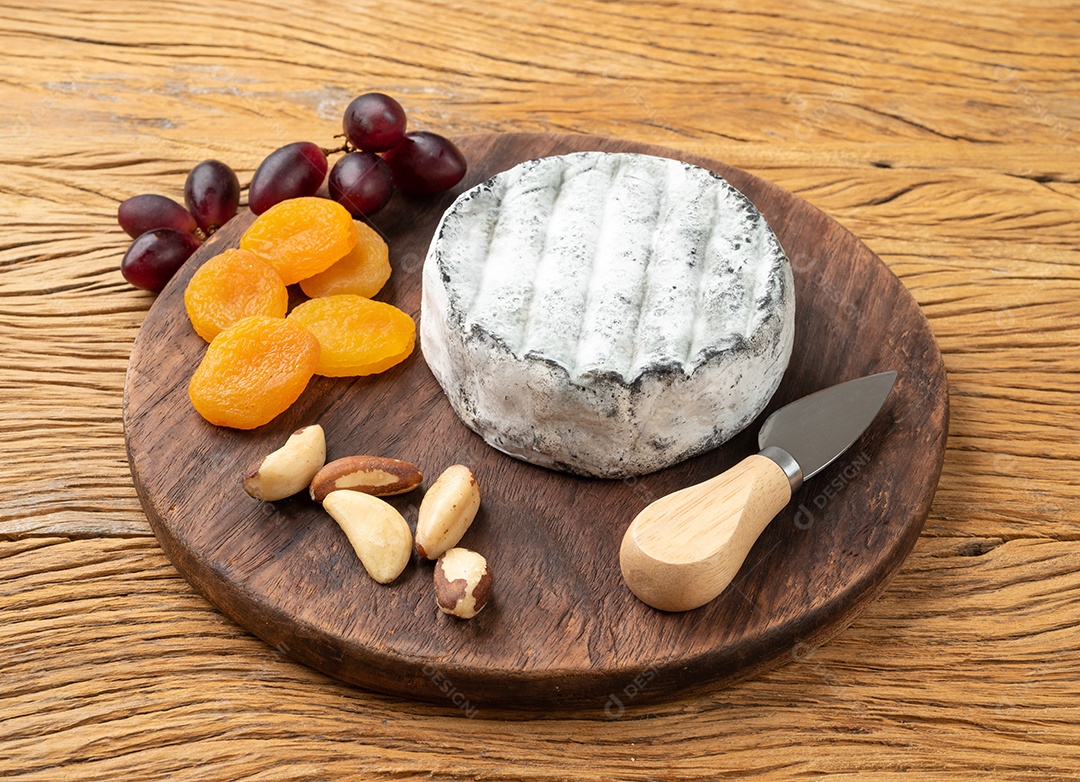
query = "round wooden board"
x=562 y=628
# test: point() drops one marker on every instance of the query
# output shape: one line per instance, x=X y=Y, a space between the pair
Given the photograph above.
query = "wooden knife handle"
x=683 y=549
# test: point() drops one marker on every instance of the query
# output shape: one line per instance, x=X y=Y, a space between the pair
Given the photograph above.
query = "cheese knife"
x=684 y=549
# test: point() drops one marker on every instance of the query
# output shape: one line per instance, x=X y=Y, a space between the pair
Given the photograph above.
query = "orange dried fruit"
x=301 y=237
x=253 y=371
x=364 y=271
x=358 y=336
x=230 y=287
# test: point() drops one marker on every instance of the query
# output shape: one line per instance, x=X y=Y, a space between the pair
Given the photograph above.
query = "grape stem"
x=345 y=147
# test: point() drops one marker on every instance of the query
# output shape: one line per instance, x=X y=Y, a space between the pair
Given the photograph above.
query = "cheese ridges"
x=607 y=314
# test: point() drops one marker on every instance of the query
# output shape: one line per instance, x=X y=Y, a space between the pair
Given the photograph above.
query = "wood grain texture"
x=904 y=692
x=562 y=628
x=942 y=134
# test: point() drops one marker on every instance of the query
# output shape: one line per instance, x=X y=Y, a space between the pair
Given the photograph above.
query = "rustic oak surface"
x=943 y=135
x=563 y=628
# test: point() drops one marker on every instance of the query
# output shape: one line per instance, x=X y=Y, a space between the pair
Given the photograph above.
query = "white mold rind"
x=606 y=314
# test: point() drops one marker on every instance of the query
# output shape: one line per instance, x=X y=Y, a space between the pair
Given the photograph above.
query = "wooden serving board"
x=562 y=628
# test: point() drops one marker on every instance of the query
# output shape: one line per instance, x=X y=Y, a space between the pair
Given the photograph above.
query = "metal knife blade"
x=816 y=429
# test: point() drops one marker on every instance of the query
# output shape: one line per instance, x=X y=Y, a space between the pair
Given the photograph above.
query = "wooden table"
x=942 y=136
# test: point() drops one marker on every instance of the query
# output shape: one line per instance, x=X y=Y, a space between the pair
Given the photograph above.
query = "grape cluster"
x=165 y=233
x=379 y=157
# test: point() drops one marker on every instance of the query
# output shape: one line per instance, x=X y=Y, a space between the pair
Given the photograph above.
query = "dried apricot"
x=253 y=371
x=363 y=271
x=230 y=287
x=358 y=336
x=301 y=237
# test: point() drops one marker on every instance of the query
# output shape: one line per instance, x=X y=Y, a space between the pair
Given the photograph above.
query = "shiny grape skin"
x=212 y=194
x=148 y=211
x=374 y=122
x=293 y=171
x=425 y=163
x=155 y=256
x=361 y=182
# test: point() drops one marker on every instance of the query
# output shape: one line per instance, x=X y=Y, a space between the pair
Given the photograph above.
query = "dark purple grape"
x=294 y=171
x=212 y=194
x=145 y=212
x=374 y=122
x=361 y=182
x=425 y=163
x=155 y=256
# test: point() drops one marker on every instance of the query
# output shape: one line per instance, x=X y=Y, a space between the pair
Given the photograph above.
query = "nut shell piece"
x=290 y=468
x=374 y=475
x=463 y=583
x=446 y=512
x=379 y=534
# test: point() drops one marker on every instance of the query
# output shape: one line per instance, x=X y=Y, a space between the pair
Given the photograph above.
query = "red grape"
x=212 y=194
x=425 y=163
x=155 y=256
x=374 y=122
x=145 y=212
x=294 y=171
x=361 y=182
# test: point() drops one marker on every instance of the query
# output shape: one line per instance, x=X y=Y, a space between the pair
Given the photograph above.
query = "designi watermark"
x=617 y=701
x=452 y=693
x=1033 y=102
x=804 y=516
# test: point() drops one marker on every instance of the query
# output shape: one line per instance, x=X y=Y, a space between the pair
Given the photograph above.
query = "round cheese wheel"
x=606 y=314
